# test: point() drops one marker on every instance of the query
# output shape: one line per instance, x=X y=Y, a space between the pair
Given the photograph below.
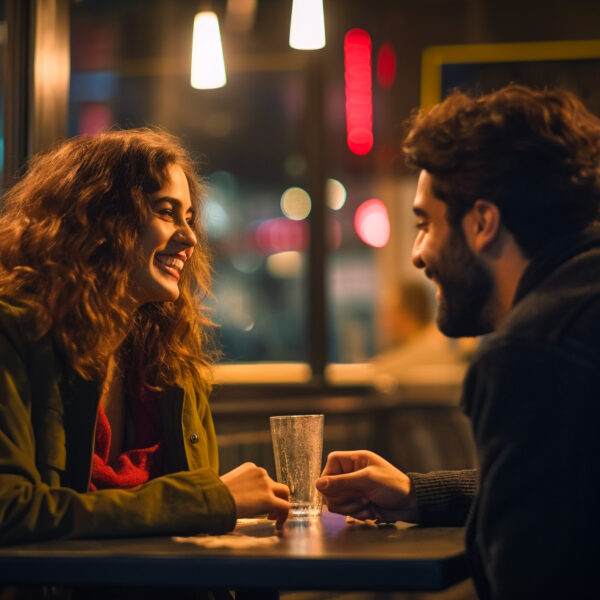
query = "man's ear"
x=482 y=225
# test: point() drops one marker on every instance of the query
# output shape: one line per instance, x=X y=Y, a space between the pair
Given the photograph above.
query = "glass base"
x=303 y=511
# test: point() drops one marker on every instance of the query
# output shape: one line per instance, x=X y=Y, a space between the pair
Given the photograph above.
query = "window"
x=130 y=67
x=298 y=278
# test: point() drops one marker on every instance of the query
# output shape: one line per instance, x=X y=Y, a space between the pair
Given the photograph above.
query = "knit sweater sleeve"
x=444 y=497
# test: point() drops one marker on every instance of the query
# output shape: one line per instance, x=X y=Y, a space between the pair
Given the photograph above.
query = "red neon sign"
x=359 y=102
x=386 y=66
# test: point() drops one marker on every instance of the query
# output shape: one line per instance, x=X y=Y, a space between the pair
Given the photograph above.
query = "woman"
x=105 y=428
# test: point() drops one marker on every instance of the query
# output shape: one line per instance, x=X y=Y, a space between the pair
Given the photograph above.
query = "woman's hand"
x=255 y=493
x=364 y=485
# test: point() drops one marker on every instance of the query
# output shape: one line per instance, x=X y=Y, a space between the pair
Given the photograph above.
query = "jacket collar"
x=549 y=259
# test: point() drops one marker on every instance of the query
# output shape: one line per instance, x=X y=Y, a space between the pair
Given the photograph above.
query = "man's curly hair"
x=534 y=153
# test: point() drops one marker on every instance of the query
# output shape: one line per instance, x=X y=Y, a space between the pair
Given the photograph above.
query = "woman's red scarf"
x=144 y=460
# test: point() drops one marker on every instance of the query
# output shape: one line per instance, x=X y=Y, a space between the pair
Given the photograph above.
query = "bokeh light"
x=247 y=262
x=336 y=194
x=225 y=181
x=279 y=235
x=221 y=190
x=285 y=264
x=94 y=118
x=372 y=223
x=216 y=220
x=295 y=203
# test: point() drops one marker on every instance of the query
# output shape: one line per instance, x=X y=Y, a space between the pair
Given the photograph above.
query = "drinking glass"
x=298 y=449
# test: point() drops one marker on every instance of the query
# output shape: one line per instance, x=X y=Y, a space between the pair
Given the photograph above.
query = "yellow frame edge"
x=434 y=57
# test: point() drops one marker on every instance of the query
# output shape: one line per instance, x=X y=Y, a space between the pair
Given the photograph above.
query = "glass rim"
x=295 y=417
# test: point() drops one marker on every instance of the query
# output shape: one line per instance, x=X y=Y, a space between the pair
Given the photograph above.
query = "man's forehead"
x=423 y=193
x=425 y=203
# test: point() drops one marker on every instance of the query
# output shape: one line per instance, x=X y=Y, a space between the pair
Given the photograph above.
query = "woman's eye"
x=166 y=213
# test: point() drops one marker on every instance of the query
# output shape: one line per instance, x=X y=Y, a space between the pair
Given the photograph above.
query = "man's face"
x=464 y=285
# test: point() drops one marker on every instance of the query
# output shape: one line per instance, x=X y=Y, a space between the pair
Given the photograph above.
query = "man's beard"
x=466 y=287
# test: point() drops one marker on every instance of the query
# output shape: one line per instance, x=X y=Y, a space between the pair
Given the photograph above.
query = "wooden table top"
x=326 y=554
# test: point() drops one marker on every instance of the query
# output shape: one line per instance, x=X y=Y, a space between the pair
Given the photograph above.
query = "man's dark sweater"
x=533 y=396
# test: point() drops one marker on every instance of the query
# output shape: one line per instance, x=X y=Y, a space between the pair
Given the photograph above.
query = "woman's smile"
x=172 y=264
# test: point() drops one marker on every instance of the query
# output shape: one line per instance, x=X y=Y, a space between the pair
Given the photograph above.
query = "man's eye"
x=420 y=225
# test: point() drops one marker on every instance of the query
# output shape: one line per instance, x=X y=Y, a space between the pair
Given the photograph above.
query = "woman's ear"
x=482 y=225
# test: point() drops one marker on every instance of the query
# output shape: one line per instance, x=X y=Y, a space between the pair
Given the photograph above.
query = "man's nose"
x=417 y=261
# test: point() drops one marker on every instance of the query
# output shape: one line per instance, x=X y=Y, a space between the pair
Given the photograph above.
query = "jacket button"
x=194 y=438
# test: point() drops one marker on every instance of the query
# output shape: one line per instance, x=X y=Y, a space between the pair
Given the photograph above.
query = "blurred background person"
x=416 y=349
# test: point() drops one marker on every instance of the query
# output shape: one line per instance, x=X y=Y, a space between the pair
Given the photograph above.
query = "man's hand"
x=255 y=493
x=364 y=485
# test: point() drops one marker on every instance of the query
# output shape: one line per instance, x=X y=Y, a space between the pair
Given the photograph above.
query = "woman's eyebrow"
x=176 y=202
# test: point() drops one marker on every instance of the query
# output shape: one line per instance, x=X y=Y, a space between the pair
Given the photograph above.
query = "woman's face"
x=167 y=241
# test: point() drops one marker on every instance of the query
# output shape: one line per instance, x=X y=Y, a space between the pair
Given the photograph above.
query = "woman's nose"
x=186 y=235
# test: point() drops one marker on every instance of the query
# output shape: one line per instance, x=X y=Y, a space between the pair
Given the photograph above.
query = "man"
x=506 y=209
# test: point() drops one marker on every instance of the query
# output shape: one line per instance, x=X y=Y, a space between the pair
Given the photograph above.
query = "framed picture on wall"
x=481 y=68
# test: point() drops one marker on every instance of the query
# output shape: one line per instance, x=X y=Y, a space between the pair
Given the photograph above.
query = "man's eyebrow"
x=419 y=212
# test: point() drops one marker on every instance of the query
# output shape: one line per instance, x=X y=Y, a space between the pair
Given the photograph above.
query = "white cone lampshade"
x=208 y=66
x=307 y=29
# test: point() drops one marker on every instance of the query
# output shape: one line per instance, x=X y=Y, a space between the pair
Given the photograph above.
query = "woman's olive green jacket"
x=47 y=422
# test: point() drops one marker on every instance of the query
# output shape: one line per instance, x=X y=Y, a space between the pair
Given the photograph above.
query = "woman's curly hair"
x=534 y=153
x=69 y=239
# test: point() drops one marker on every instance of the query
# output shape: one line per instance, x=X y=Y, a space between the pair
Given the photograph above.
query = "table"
x=325 y=555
